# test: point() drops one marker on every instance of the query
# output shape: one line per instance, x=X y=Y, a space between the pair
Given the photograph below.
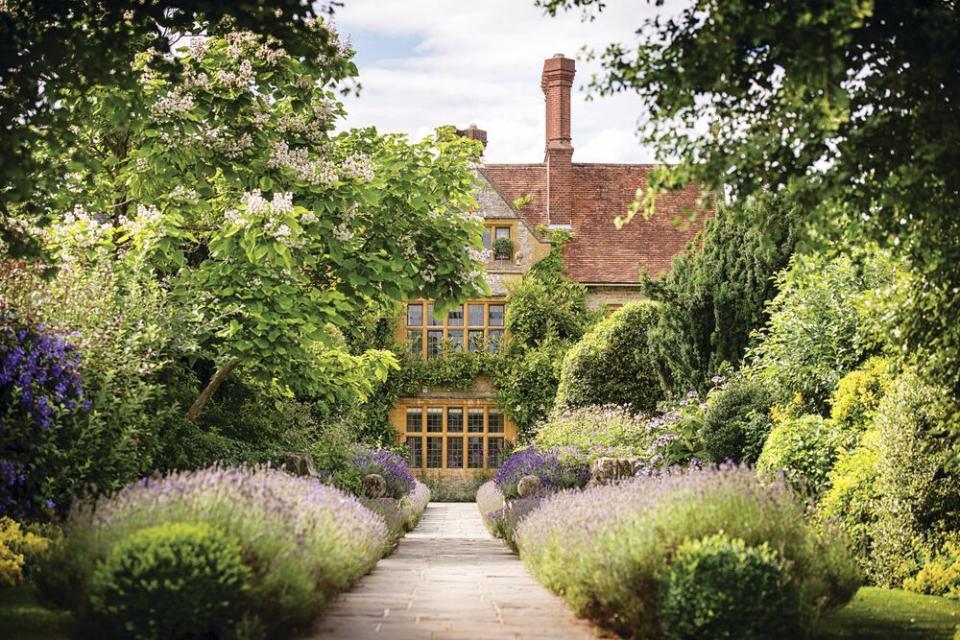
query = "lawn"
x=883 y=614
x=23 y=618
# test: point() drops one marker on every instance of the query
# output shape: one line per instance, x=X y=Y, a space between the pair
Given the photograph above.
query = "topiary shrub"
x=804 y=448
x=613 y=364
x=736 y=422
x=174 y=580
x=719 y=587
x=917 y=483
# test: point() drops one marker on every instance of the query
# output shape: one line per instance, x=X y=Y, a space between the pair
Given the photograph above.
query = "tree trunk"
x=197 y=408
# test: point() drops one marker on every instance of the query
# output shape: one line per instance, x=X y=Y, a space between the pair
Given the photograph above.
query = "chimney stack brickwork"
x=556 y=82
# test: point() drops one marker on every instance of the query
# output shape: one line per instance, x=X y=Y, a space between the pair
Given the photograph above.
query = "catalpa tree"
x=273 y=231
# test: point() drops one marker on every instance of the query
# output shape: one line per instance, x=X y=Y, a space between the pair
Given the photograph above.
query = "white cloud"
x=434 y=62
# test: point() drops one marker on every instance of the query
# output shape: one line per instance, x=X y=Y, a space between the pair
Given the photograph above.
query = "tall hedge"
x=613 y=363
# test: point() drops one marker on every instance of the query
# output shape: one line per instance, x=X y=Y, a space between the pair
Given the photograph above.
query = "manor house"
x=449 y=432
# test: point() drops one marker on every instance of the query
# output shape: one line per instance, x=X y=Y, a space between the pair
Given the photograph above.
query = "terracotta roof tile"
x=598 y=252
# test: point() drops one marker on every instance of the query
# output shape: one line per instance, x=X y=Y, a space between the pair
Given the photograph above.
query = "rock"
x=299 y=464
x=374 y=486
x=528 y=486
x=611 y=470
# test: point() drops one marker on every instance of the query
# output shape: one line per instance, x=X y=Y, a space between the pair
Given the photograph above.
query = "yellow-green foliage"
x=803 y=447
x=859 y=392
x=17 y=547
x=851 y=500
x=940 y=575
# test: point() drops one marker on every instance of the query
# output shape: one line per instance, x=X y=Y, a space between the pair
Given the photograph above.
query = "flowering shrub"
x=606 y=549
x=400 y=515
x=39 y=389
x=414 y=504
x=489 y=500
x=18 y=549
x=39 y=375
x=722 y=588
x=174 y=580
x=619 y=429
x=303 y=541
x=556 y=470
x=389 y=464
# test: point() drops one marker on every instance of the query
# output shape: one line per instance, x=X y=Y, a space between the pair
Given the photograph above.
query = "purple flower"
x=557 y=469
x=386 y=463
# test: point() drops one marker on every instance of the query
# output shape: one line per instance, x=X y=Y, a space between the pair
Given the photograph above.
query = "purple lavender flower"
x=389 y=464
x=557 y=469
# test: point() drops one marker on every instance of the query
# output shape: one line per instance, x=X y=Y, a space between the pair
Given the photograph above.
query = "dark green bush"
x=612 y=364
x=736 y=422
x=715 y=293
x=719 y=587
x=174 y=580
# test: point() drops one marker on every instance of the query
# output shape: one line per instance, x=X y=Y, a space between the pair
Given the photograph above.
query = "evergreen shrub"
x=174 y=580
x=719 y=587
x=613 y=364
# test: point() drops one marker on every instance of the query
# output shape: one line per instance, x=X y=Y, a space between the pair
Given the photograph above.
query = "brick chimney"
x=474 y=133
x=556 y=81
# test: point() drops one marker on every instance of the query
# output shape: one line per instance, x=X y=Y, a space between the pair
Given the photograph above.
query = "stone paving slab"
x=450 y=580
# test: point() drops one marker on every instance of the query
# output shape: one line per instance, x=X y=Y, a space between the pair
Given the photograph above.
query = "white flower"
x=197 y=47
x=358 y=166
x=255 y=203
x=283 y=231
x=342 y=233
x=174 y=103
x=309 y=217
x=282 y=203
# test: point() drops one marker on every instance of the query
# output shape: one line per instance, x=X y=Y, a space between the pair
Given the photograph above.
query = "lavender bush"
x=557 y=469
x=400 y=515
x=387 y=463
x=303 y=541
x=413 y=505
x=606 y=549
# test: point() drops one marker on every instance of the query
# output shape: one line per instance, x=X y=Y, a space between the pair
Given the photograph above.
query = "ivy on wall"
x=546 y=315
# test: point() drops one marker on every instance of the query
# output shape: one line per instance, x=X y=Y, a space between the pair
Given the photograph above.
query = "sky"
x=425 y=63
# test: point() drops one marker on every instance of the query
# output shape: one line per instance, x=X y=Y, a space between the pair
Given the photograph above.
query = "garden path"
x=450 y=579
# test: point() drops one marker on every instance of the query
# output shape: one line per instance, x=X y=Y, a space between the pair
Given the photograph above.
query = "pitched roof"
x=599 y=253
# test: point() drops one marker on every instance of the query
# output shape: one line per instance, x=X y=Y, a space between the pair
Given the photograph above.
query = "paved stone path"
x=449 y=579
